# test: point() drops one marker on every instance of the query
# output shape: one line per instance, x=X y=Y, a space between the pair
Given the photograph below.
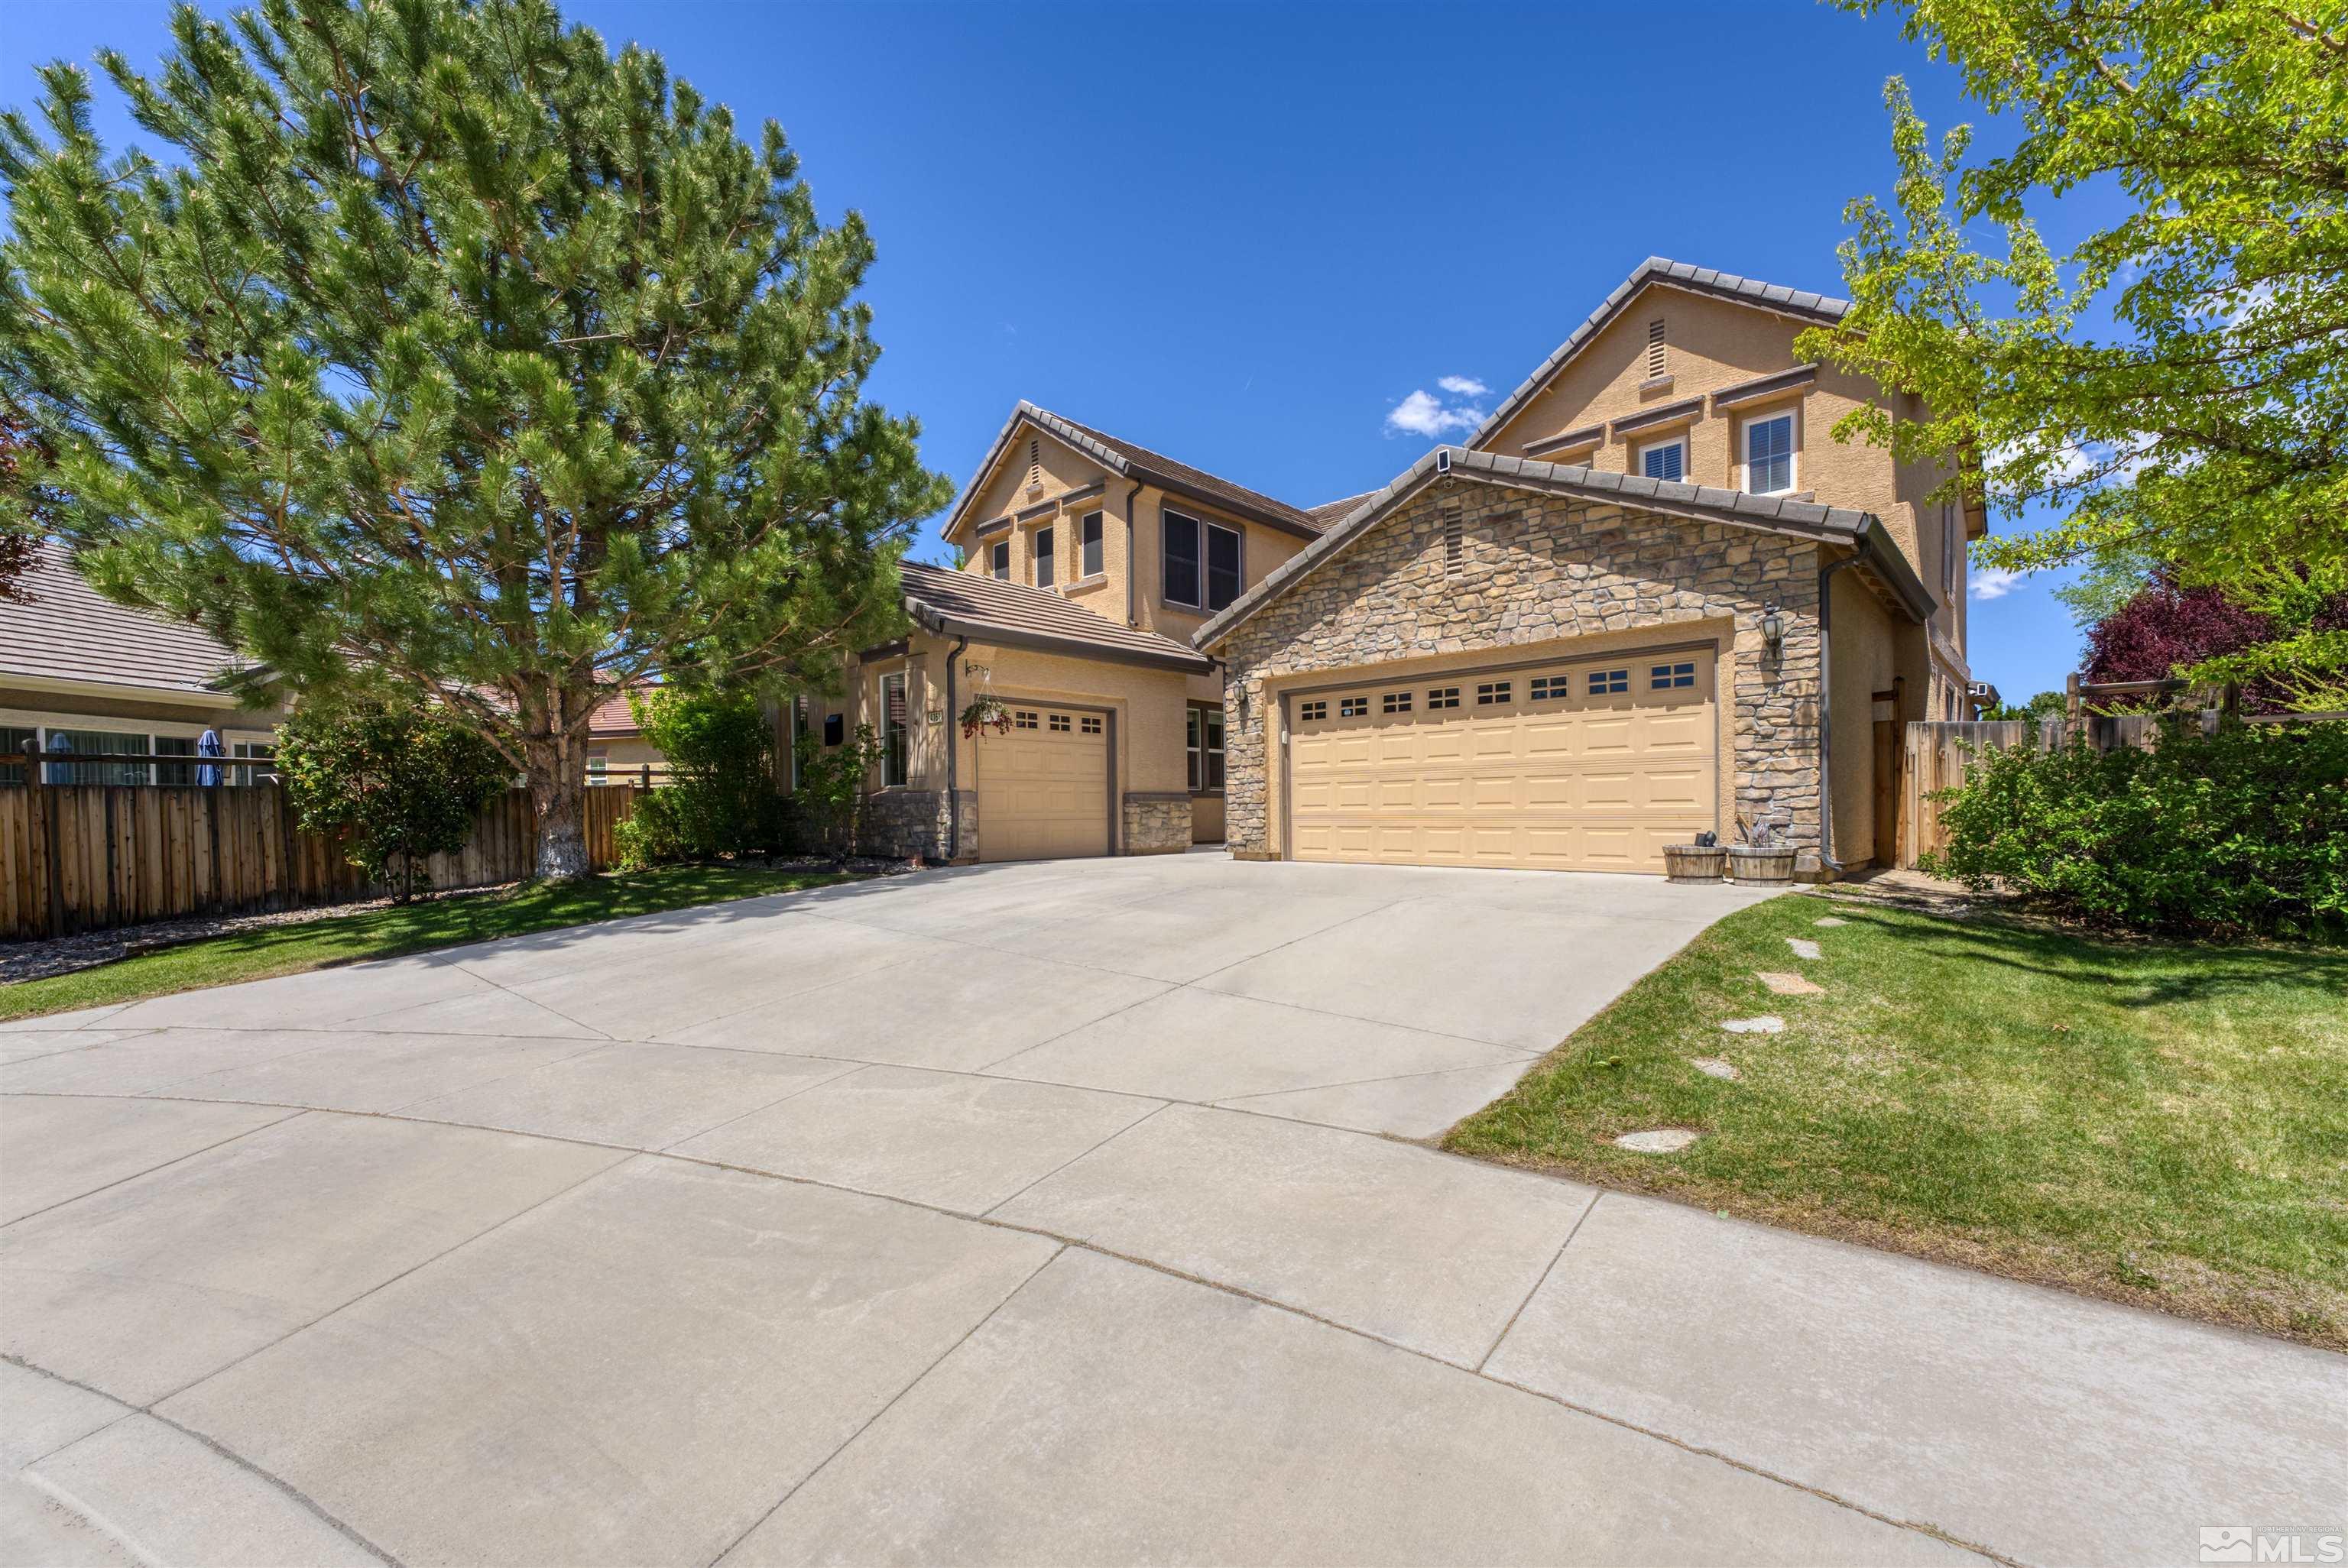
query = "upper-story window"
x=1769 y=455
x=1664 y=460
x=1186 y=540
x=998 y=560
x=1043 y=562
x=1088 y=544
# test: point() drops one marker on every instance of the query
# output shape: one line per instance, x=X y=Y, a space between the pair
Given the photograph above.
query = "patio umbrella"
x=208 y=744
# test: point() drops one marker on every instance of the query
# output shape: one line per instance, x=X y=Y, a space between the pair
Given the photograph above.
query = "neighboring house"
x=617 y=752
x=81 y=674
x=1554 y=648
x=1652 y=597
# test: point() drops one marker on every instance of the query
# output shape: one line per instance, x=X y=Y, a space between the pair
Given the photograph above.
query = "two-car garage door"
x=1585 y=765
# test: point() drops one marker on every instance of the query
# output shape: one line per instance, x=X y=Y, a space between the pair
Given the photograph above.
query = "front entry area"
x=1592 y=764
x=1043 y=786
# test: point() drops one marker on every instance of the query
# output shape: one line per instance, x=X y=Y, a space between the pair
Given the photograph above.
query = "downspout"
x=953 y=753
x=1132 y=609
x=1865 y=542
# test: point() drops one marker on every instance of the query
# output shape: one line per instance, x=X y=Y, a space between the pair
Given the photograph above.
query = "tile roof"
x=612 y=716
x=1697 y=503
x=1129 y=461
x=1328 y=514
x=70 y=633
x=990 y=610
x=1821 y=308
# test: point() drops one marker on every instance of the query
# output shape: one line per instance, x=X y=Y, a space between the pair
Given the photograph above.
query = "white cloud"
x=1463 y=386
x=1992 y=582
x=1424 y=413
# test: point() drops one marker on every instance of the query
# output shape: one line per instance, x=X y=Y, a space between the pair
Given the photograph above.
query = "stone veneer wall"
x=908 y=821
x=1156 y=822
x=1532 y=569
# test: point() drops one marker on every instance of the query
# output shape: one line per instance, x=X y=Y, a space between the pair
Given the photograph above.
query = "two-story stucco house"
x=1088 y=563
x=1651 y=596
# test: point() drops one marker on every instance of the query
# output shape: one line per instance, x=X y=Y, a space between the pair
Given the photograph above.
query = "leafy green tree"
x=2206 y=428
x=452 y=345
x=402 y=779
x=2044 y=705
x=720 y=797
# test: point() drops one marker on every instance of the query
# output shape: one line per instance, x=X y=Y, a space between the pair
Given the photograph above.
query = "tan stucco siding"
x=1864 y=660
x=1715 y=344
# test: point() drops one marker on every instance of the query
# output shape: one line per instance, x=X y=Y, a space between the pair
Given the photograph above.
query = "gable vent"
x=1654 y=348
x=1455 y=536
x=1035 y=463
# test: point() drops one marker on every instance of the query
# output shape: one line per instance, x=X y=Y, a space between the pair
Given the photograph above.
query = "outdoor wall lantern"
x=1773 y=630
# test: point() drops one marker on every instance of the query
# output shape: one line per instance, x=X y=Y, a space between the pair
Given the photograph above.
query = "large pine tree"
x=447 y=342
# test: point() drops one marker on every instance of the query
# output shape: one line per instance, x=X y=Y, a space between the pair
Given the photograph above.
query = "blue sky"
x=1247 y=234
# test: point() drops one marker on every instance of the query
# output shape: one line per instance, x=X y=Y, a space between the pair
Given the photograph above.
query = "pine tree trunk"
x=559 y=793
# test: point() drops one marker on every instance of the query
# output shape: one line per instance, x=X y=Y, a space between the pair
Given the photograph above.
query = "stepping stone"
x=1830 y=922
x=1713 y=1067
x=1660 y=1141
x=1803 y=947
x=1787 y=985
x=1767 y=1023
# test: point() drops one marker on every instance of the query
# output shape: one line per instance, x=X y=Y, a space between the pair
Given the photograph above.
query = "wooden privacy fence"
x=90 y=857
x=1936 y=755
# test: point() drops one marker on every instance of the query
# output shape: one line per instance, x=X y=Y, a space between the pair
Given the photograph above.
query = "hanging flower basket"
x=985 y=714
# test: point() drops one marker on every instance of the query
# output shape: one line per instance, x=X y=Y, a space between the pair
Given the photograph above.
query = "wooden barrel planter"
x=1693 y=862
x=1748 y=866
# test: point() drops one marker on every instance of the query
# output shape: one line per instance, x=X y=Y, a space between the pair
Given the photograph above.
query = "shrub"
x=832 y=787
x=2245 y=830
x=404 y=781
x=720 y=798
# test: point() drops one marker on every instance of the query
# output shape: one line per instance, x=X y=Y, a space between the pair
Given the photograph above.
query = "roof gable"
x=1690 y=503
x=1126 y=461
x=1656 y=271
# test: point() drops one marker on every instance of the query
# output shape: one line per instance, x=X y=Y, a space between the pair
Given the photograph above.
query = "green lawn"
x=386 y=933
x=2160 y=1122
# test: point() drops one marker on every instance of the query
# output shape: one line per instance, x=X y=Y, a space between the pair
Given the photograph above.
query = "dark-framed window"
x=1043 y=562
x=1178 y=576
x=1088 y=544
x=1222 y=566
x=998 y=560
x=22 y=740
x=895 y=734
x=1206 y=748
x=835 y=728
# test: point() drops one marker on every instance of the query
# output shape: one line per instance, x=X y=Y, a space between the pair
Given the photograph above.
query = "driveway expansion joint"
x=301 y=1499
x=1066 y=1243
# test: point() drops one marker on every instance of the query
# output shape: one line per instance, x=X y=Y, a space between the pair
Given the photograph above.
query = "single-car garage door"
x=1043 y=785
x=1583 y=765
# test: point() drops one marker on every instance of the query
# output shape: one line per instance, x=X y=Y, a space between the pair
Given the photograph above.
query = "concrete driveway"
x=1045 y=1214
